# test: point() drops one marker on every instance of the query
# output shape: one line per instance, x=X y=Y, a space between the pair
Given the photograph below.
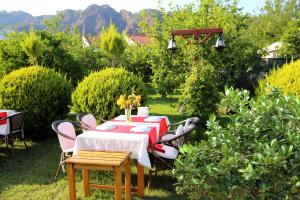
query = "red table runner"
x=163 y=127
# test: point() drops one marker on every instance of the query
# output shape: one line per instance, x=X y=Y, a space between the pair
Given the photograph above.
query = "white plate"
x=106 y=127
x=120 y=118
x=140 y=129
x=152 y=119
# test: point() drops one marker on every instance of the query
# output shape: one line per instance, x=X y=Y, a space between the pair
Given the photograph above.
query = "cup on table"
x=143 y=111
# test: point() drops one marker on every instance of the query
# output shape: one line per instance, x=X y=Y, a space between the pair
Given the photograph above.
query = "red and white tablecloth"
x=4 y=124
x=161 y=125
x=118 y=139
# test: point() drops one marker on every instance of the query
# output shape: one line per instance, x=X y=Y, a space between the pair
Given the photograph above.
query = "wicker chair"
x=16 y=123
x=164 y=156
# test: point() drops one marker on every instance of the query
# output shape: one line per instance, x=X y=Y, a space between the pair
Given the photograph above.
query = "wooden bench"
x=99 y=160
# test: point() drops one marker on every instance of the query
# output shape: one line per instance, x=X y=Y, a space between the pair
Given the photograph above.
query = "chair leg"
x=59 y=166
x=150 y=178
x=23 y=139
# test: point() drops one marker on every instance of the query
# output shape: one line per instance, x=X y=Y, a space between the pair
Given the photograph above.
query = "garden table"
x=123 y=138
x=4 y=124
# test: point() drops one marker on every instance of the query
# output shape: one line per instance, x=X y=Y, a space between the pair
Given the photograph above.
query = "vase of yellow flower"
x=127 y=103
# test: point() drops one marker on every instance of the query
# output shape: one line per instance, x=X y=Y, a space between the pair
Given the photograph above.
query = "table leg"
x=118 y=183
x=140 y=180
x=86 y=182
x=127 y=180
x=72 y=182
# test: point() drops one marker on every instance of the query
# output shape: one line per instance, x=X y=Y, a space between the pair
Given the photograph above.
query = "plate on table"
x=152 y=119
x=120 y=118
x=106 y=127
x=140 y=129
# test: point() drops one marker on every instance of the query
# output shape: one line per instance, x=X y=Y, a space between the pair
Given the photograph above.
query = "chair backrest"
x=143 y=111
x=66 y=134
x=16 y=122
x=87 y=121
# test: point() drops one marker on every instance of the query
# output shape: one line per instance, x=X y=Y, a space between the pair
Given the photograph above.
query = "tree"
x=32 y=46
x=267 y=27
x=112 y=43
x=291 y=40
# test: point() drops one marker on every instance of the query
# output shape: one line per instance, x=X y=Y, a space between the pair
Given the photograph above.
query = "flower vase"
x=128 y=114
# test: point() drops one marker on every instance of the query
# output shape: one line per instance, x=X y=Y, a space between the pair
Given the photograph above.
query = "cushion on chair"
x=3 y=115
x=159 y=147
x=187 y=122
x=90 y=120
x=66 y=128
x=170 y=152
x=179 y=130
x=169 y=136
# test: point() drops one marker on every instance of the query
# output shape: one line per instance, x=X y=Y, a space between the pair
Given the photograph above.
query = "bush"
x=254 y=156
x=286 y=78
x=12 y=56
x=200 y=92
x=42 y=93
x=98 y=93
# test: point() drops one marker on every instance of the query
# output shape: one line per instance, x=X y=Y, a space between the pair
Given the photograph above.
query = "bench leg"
x=86 y=182
x=140 y=180
x=127 y=180
x=118 y=183
x=72 y=182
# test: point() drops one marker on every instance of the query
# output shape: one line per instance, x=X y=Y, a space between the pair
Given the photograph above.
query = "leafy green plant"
x=12 y=55
x=286 y=78
x=33 y=47
x=112 y=43
x=200 y=92
x=255 y=155
x=98 y=93
x=42 y=93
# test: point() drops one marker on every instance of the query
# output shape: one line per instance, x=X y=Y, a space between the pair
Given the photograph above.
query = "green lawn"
x=29 y=174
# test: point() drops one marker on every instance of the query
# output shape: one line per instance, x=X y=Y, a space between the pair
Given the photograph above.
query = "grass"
x=29 y=174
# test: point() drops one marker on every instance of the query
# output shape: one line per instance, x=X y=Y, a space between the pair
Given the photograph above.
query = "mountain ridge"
x=90 y=20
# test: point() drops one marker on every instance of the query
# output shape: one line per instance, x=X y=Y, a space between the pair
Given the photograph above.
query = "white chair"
x=66 y=135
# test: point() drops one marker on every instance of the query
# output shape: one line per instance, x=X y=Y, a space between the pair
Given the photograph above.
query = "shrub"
x=98 y=93
x=254 y=156
x=42 y=93
x=200 y=92
x=286 y=78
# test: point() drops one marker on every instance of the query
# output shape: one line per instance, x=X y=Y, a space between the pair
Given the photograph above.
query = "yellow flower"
x=130 y=102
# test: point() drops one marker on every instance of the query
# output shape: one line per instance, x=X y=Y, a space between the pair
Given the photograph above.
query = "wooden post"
x=140 y=180
x=72 y=182
x=127 y=180
x=118 y=183
x=86 y=182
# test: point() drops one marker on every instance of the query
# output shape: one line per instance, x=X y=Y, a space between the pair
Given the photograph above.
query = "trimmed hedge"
x=286 y=78
x=41 y=92
x=98 y=93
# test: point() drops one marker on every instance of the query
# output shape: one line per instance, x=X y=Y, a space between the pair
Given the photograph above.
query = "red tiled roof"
x=142 y=40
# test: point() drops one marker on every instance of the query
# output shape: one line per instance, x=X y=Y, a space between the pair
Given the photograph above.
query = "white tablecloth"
x=4 y=128
x=137 y=144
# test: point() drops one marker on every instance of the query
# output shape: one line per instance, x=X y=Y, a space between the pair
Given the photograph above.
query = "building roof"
x=139 y=39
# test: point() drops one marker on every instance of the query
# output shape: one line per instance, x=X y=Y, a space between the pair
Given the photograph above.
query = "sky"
x=49 y=7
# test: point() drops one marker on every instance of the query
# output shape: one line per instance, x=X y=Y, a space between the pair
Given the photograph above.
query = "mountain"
x=90 y=21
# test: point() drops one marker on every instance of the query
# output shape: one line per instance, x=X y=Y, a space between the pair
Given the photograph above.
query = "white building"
x=272 y=50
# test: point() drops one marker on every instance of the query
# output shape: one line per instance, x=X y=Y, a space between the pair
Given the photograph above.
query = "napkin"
x=140 y=129
x=152 y=119
x=106 y=127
